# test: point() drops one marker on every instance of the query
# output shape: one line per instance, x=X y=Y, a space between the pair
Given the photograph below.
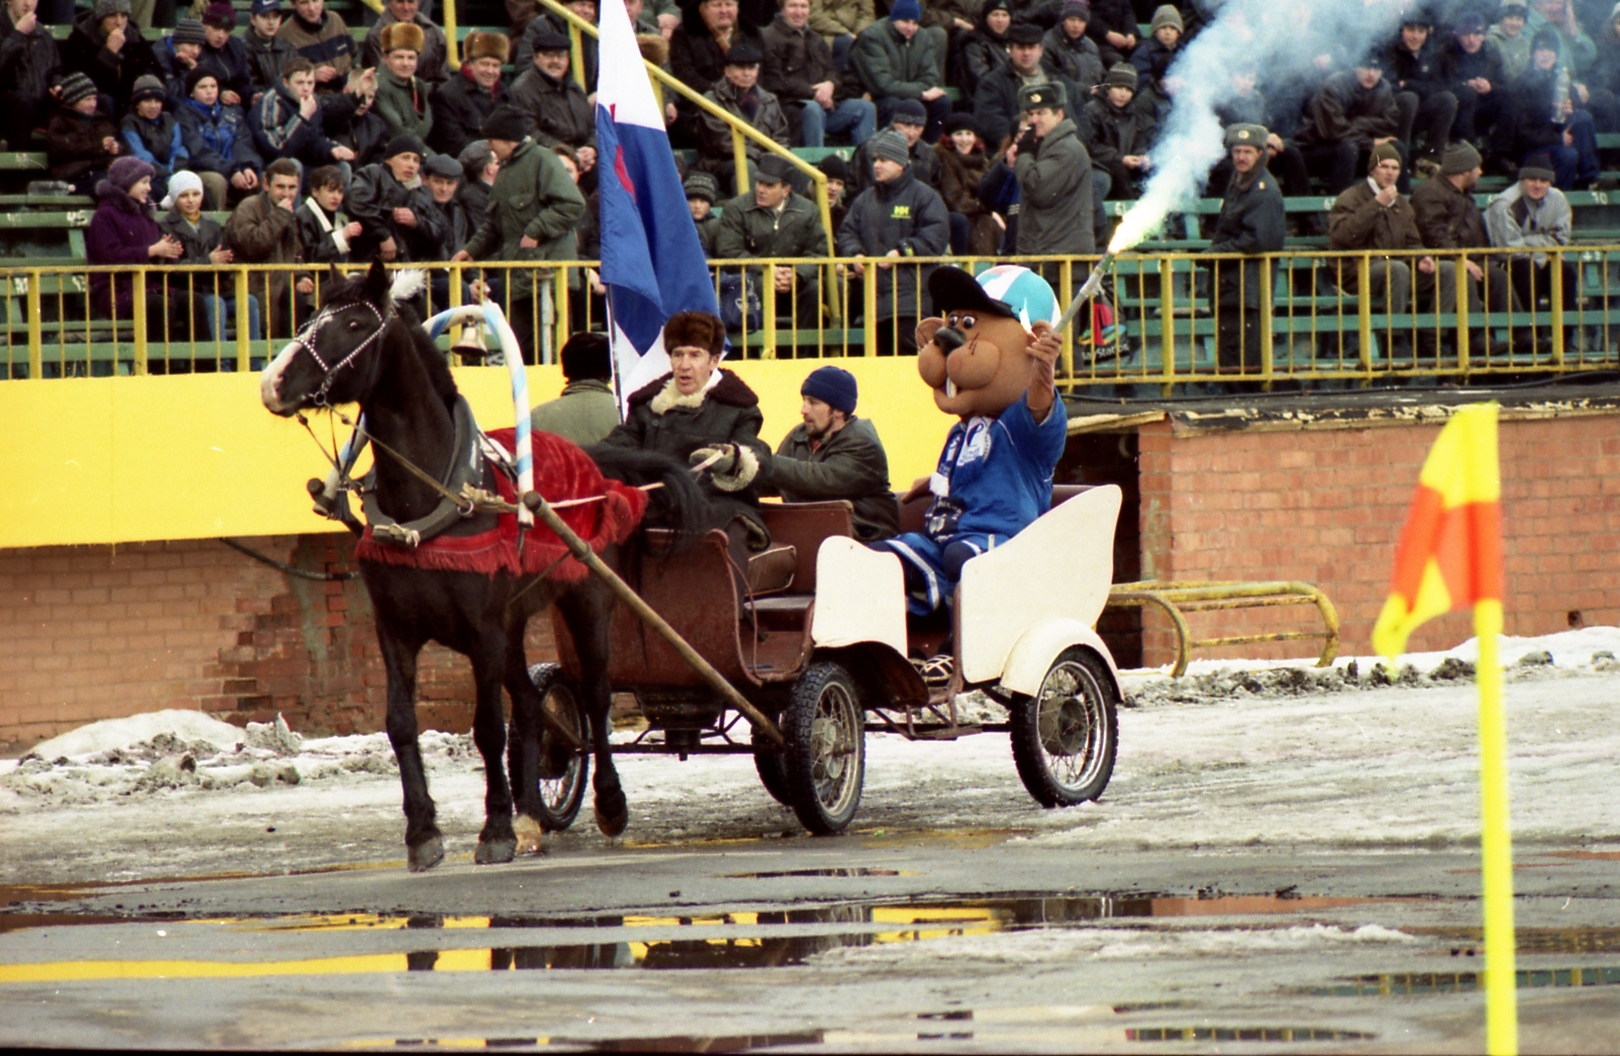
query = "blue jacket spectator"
x=286 y=123
x=217 y=138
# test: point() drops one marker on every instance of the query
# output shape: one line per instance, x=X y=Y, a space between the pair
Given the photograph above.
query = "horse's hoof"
x=529 y=834
x=612 y=813
x=494 y=852
x=425 y=856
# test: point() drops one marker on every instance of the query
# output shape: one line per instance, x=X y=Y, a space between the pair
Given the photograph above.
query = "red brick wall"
x=1326 y=506
x=91 y=633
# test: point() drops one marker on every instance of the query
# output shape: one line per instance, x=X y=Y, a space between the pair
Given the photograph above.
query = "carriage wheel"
x=825 y=760
x=563 y=774
x=768 y=763
x=1065 y=736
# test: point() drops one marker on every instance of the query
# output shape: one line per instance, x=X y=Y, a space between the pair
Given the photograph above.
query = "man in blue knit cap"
x=835 y=455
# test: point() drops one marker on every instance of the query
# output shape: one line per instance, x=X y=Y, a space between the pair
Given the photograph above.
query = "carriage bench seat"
x=771 y=570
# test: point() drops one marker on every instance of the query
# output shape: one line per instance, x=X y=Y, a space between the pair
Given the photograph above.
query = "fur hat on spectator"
x=109 y=8
x=1247 y=135
x=1049 y=94
x=833 y=386
x=507 y=123
x=1121 y=75
x=1458 y=159
x=551 y=40
x=910 y=112
x=402 y=35
x=1383 y=152
x=654 y=48
x=219 y=14
x=905 y=11
x=487 y=46
x=405 y=144
x=587 y=357
x=196 y=75
x=891 y=145
x=1546 y=39
x=834 y=168
x=181 y=182
x=702 y=185
x=474 y=157
x=1537 y=166
x=1075 y=9
x=442 y=165
x=146 y=87
x=190 y=31
x=695 y=330
x=76 y=86
x=1166 y=15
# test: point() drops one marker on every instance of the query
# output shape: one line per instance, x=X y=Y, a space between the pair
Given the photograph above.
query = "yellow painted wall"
x=115 y=460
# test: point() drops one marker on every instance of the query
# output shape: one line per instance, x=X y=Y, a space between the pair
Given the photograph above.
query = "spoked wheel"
x=1064 y=738
x=825 y=760
x=563 y=772
x=768 y=762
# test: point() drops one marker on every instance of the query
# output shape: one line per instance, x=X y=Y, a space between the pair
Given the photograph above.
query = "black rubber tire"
x=824 y=764
x=560 y=797
x=768 y=764
x=1078 y=702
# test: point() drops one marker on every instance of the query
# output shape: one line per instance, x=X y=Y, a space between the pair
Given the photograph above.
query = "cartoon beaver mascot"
x=990 y=362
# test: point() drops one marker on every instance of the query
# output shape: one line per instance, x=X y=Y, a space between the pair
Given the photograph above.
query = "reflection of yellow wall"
x=114 y=460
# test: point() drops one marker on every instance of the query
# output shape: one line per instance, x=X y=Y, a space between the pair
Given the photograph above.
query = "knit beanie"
x=833 y=386
x=405 y=144
x=108 y=8
x=702 y=185
x=891 y=145
x=146 y=87
x=1166 y=15
x=911 y=112
x=179 y=183
x=834 y=168
x=506 y=123
x=1546 y=40
x=961 y=122
x=196 y=75
x=905 y=11
x=190 y=31
x=76 y=86
x=1458 y=159
x=220 y=14
x=1383 y=152
x=127 y=171
x=1538 y=166
x=1075 y=9
x=1121 y=75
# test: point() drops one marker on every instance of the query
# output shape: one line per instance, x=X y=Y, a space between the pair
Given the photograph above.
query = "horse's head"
x=335 y=358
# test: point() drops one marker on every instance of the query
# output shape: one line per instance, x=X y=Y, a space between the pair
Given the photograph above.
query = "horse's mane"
x=352 y=290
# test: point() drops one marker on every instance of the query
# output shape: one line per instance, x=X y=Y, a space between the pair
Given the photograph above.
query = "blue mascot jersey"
x=998 y=471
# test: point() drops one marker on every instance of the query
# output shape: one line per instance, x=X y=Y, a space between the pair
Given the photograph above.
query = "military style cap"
x=1046 y=94
x=1246 y=135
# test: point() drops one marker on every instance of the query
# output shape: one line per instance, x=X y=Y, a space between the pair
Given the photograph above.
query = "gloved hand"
x=1027 y=142
x=723 y=465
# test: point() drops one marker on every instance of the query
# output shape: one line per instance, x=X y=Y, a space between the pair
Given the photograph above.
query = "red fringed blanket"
x=561 y=471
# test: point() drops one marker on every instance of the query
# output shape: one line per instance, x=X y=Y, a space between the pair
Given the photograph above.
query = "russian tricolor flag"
x=652 y=261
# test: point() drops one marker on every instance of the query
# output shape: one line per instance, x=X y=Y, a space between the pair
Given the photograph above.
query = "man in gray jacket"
x=1057 y=210
x=835 y=455
x=1534 y=216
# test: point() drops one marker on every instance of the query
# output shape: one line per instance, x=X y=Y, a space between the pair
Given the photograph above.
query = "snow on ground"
x=1254 y=753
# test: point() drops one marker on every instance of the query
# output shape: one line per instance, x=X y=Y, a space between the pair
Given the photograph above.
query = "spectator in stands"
x=982 y=50
x=227 y=54
x=1533 y=216
x=1118 y=133
x=549 y=23
x=1474 y=74
x=963 y=163
x=478 y=169
x=558 y=109
x=834 y=455
x=217 y=139
x=1057 y=199
x=153 y=135
x=1603 y=78
x=909 y=121
x=773 y=222
x=104 y=48
x=534 y=208
x=701 y=191
x=1246 y=106
x=287 y=123
x=738 y=93
x=698 y=47
x=324 y=231
x=1509 y=40
x=402 y=97
x=995 y=104
x=587 y=411
x=28 y=62
x=897 y=217
x=1113 y=27
x=322 y=37
x=443 y=182
x=839 y=22
x=398 y=221
x=202 y=241
x=178 y=54
x=1372 y=215
x=1251 y=222
x=124 y=231
x=798 y=70
x=1447 y=218
x=1159 y=50
x=836 y=170
x=1569 y=139
x=1070 y=55
x=80 y=143
x=430 y=65
x=461 y=104
x=267 y=51
x=1428 y=110
x=1354 y=112
x=1575 y=49
x=891 y=62
x=264 y=230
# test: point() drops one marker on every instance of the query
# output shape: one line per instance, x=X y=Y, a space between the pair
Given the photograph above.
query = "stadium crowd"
x=977 y=127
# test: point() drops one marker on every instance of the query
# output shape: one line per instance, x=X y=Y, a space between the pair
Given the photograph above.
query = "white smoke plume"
x=1281 y=41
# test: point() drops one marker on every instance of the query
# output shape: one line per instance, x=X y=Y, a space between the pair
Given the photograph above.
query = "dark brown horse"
x=363 y=348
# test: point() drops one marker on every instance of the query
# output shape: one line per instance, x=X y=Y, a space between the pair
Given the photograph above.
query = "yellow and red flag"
x=1450 y=553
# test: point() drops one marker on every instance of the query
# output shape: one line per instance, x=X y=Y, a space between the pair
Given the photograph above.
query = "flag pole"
x=1496 y=841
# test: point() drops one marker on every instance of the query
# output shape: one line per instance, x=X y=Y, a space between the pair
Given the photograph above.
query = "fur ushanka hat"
x=698 y=329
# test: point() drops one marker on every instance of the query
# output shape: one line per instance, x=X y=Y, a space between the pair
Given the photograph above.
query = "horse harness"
x=306 y=339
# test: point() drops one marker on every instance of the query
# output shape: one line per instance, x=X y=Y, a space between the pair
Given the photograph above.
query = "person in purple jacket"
x=125 y=231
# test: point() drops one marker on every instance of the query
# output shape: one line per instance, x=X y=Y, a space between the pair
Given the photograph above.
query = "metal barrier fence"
x=1164 y=320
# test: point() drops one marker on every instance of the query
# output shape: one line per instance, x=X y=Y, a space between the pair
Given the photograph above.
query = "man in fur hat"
x=465 y=101
x=431 y=67
x=402 y=97
x=1251 y=222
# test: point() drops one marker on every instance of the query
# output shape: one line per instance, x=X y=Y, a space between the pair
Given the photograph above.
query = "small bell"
x=470 y=345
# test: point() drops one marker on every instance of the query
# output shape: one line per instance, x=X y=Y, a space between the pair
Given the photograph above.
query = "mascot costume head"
x=978 y=354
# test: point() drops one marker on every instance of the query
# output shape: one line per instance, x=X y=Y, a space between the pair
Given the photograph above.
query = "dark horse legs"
x=497 y=842
x=424 y=846
x=586 y=610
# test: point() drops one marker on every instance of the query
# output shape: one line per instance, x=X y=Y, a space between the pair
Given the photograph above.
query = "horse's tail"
x=679 y=504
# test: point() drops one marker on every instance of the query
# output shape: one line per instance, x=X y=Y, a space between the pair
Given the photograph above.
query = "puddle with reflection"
x=783 y=874
x=1470 y=942
x=1418 y=983
x=1244 y=1034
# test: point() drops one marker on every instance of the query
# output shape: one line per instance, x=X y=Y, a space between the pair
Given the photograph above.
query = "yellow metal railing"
x=1178 y=319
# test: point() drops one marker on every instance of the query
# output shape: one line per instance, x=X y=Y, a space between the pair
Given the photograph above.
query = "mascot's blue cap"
x=1006 y=290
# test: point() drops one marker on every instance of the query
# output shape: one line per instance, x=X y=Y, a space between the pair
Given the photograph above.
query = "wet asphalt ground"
x=930 y=941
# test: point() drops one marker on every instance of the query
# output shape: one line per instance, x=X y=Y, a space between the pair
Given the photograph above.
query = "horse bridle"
x=306 y=338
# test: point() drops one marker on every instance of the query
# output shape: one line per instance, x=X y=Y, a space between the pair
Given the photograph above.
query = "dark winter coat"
x=1151 y=59
x=28 y=61
x=904 y=214
x=233 y=65
x=1055 y=212
x=1418 y=73
x=459 y=226
x=366 y=134
x=959 y=179
x=373 y=196
x=523 y=54
x=889 y=66
x=430 y=64
x=198 y=242
x=851 y=464
x=217 y=138
x=708 y=230
x=1345 y=111
x=1077 y=63
x=266 y=59
x=159 y=143
x=1457 y=67
x=320 y=240
x=121 y=232
x=280 y=130
x=995 y=106
x=326 y=44
x=1112 y=15
x=1532 y=125
x=560 y=109
x=747 y=230
x=459 y=109
x=1357 y=221
x=404 y=105
x=979 y=53
x=85 y=51
x=1113 y=132
x=796 y=60
x=533 y=195
x=1252 y=220
x=261 y=232
x=924 y=167
x=663 y=420
x=696 y=57
x=1446 y=217
x=714 y=135
x=73 y=143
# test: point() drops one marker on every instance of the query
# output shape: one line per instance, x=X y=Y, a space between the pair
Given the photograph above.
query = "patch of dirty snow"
x=118 y=734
